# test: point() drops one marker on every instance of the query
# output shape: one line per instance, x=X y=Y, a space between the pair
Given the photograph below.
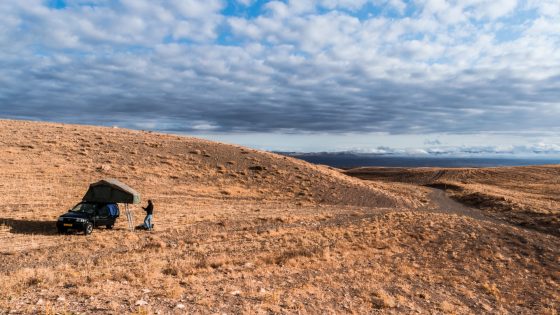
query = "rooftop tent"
x=111 y=191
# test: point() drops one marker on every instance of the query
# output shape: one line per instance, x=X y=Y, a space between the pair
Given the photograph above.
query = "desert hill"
x=48 y=167
x=49 y=158
x=527 y=195
x=244 y=231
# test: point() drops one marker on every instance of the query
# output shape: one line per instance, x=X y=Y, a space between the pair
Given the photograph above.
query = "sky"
x=378 y=76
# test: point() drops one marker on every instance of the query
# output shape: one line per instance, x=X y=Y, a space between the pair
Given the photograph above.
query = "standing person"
x=149 y=214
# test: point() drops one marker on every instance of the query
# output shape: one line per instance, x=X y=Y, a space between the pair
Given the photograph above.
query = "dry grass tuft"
x=381 y=299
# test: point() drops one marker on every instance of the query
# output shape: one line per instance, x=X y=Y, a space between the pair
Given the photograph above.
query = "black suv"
x=87 y=215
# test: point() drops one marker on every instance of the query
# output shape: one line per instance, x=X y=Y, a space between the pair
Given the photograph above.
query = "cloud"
x=432 y=142
x=245 y=2
x=322 y=66
x=535 y=150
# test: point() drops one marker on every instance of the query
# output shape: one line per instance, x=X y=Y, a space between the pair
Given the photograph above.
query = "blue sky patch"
x=56 y=4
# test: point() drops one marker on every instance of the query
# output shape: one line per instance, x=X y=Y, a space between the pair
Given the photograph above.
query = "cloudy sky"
x=322 y=75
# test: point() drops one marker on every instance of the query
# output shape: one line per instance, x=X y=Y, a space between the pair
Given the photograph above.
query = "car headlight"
x=81 y=220
x=60 y=219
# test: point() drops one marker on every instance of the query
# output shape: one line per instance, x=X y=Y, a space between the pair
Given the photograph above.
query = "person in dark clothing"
x=149 y=215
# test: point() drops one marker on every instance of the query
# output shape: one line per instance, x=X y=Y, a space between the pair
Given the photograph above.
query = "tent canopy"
x=111 y=191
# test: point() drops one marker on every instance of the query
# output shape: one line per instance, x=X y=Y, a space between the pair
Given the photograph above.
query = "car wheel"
x=88 y=228
x=109 y=226
x=62 y=231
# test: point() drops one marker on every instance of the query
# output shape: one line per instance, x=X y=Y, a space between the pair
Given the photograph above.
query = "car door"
x=102 y=215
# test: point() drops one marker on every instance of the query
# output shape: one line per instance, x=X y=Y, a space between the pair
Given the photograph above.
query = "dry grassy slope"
x=528 y=195
x=395 y=263
x=50 y=166
x=284 y=237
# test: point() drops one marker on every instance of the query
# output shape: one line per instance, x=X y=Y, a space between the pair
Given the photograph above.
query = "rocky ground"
x=243 y=231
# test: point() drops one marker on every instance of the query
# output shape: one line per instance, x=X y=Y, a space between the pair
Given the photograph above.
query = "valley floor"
x=277 y=258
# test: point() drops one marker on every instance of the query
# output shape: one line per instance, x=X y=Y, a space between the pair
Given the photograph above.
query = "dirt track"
x=444 y=204
x=526 y=196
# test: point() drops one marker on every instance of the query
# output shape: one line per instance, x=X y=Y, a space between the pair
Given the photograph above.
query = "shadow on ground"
x=29 y=226
x=541 y=222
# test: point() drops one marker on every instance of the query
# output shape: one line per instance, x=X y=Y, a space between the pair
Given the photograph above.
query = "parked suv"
x=87 y=215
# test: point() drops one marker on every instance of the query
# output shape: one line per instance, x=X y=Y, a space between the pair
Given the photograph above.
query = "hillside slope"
x=48 y=167
x=244 y=231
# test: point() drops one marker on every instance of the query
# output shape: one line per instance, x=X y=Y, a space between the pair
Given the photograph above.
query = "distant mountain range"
x=349 y=159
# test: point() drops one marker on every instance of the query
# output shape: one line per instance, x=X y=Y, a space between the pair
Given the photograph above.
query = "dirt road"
x=441 y=203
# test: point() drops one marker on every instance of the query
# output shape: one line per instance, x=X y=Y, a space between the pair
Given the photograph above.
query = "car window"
x=85 y=207
x=103 y=211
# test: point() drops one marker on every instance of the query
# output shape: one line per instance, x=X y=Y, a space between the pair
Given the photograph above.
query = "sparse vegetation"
x=348 y=246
